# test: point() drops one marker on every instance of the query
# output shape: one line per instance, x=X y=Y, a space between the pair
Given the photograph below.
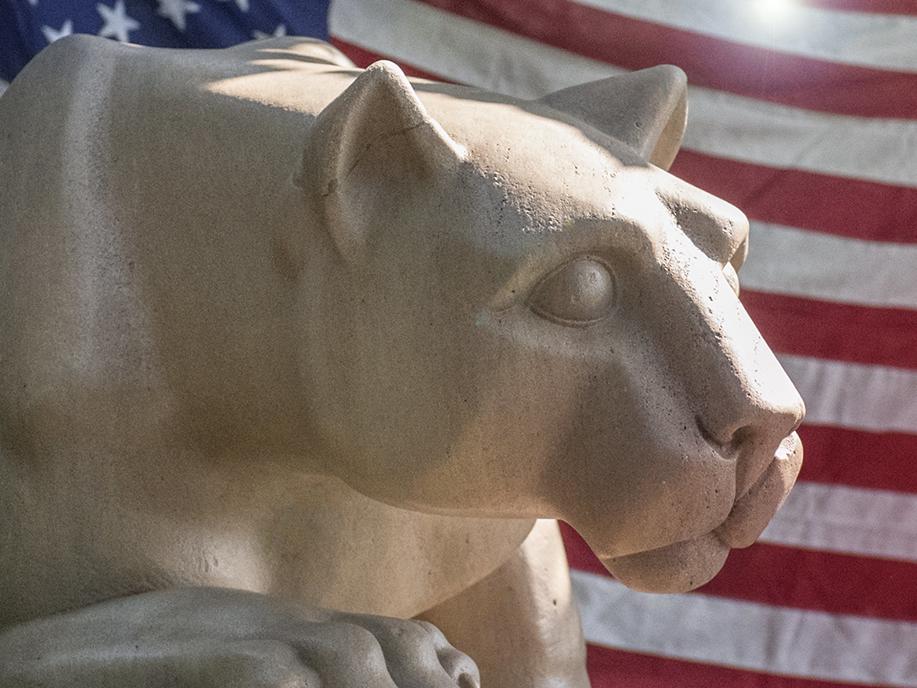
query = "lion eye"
x=579 y=293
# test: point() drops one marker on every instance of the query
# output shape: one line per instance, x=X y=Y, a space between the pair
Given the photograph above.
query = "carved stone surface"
x=334 y=339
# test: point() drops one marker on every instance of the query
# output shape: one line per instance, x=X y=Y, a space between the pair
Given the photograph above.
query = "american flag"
x=804 y=114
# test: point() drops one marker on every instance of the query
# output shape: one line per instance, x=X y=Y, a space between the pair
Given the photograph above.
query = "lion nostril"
x=712 y=439
x=730 y=441
x=742 y=436
x=467 y=681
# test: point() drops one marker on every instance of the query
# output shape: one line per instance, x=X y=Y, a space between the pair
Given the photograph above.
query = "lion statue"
x=300 y=363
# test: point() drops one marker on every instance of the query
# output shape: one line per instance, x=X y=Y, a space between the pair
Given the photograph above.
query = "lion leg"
x=521 y=624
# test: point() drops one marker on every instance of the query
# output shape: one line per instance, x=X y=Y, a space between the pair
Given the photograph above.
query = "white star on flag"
x=175 y=10
x=117 y=22
x=281 y=30
x=242 y=4
x=52 y=34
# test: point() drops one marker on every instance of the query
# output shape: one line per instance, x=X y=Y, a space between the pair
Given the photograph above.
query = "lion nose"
x=762 y=420
x=753 y=412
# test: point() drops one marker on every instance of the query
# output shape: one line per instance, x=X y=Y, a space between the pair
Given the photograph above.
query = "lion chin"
x=688 y=564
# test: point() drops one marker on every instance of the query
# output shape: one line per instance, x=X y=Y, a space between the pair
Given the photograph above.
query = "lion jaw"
x=688 y=564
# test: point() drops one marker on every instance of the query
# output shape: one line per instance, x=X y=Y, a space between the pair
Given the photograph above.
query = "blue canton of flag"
x=27 y=26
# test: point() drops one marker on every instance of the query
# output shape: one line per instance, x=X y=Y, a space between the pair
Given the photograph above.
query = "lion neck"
x=88 y=522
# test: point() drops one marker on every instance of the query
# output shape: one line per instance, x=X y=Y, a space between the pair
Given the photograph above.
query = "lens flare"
x=772 y=10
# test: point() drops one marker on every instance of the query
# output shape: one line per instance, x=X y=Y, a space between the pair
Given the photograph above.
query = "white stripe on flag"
x=879 y=40
x=847 y=520
x=855 y=395
x=763 y=133
x=720 y=124
x=786 y=260
x=774 y=640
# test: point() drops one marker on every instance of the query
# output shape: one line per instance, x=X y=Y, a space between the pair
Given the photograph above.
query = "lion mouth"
x=754 y=510
x=688 y=564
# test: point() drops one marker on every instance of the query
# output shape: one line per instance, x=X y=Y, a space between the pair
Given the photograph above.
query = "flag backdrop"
x=805 y=116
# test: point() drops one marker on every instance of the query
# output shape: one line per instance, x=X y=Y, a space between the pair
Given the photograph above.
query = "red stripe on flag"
x=363 y=58
x=804 y=579
x=610 y=668
x=834 y=205
x=822 y=581
x=871 y=460
x=838 y=331
x=724 y=65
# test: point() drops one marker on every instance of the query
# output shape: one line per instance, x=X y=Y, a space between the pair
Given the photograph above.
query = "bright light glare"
x=772 y=10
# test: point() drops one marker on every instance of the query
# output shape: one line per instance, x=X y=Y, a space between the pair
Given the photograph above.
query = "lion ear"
x=369 y=149
x=647 y=109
